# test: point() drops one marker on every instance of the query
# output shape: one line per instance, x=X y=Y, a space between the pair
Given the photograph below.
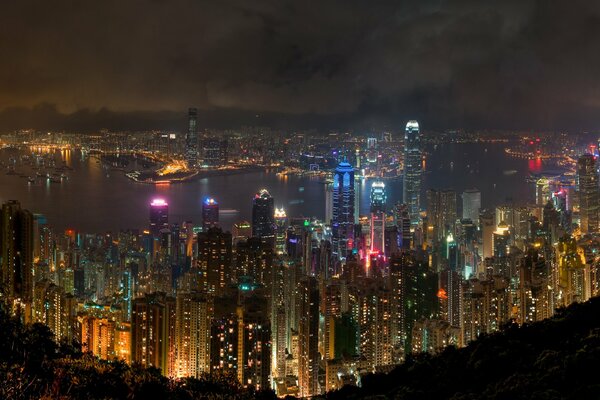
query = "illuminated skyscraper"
x=441 y=212
x=191 y=139
x=378 y=202
x=471 y=202
x=16 y=245
x=159 y=217
x=342 y=226
x=589 y=197
x=153 y=332
x=263 y=215
x=412 y=170
x=214 y=260
x=280 y=230
x=308 y=337
x=192 y=335
x=210 y=213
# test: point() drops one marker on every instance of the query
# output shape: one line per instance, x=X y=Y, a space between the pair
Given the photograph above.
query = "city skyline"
x=298 y=200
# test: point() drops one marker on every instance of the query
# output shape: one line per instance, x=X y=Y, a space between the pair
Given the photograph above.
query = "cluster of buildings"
x=304 y=306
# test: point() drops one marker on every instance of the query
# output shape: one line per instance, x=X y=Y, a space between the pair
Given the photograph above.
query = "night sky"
x=324 y=64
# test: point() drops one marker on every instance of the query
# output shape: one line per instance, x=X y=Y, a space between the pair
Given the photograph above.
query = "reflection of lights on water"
x=534 y=164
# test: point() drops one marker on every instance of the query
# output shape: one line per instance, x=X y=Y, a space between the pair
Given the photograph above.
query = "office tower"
x=342 y=227
x=254 y=260
x=542 y=191
x=403 y=223
x=194 y=311
x=308 y=337
x=17 y=248
x=263 y=216
x=328 y=203
x=159 y=217
x=487 y=236
x=412 y=170
x=214 y=260
x=210 y=213
x=191 y=139
x=471 y=203
x=153 y=332
x=441 y=212
x=241 y=231
x=214 y=152
x=378 y=203
x=501 y=240
x=280 y=230
x=589 y=197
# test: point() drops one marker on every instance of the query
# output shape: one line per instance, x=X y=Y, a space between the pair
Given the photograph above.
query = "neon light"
x=158 y=203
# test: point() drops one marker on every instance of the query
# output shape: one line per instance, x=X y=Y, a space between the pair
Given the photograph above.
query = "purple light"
x=158 y=203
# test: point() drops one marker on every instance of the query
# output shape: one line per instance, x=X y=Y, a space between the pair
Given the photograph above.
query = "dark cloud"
x=510 y=63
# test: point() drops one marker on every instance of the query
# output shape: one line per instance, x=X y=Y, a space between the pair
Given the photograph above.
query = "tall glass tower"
x=342 y=225
x=191 y=139
x=378 y=200
x=412 y=170
x=159 y=216
x=263 y=215
x=210 y=213
x=589 y=196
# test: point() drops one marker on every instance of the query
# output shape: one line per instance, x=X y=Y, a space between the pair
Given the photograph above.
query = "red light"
x=442 y=295
x=531 y=142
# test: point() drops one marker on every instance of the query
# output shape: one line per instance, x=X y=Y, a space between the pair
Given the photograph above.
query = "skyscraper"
x=342 y=226
x=378 y=200
x=153 y=332
x=589 y=197
x=412 y=170
x=441 y=212
x=159 y=217
x=210 y=213
x=191 y=139
x=308 y=337
x=263 y=215
x=471 y=202
x=281 y=230
x=214 y=260
x=16 y=243
x=194 y=312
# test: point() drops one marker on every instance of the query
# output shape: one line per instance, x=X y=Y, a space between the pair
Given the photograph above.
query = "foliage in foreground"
x=554 y=359
x=33 y=366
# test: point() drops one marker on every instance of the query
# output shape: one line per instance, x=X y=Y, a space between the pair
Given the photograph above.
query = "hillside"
x=553 y=359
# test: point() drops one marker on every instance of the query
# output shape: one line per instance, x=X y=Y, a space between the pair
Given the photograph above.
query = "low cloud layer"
x=140 y=64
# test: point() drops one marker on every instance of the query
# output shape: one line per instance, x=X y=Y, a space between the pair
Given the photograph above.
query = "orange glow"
x=442 y=295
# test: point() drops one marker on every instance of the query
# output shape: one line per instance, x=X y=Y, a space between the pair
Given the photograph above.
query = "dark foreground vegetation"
x=554 y=359
x=33 y=366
